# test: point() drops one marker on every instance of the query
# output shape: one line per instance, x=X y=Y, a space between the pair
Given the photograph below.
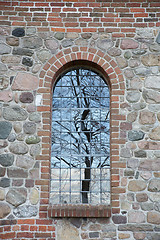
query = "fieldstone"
x=71 y=232
x=12 y=137
x=119 y=219
x=152 y=82
x=86 y=35
x=27 y=61
x=32 y=42
x=144 y=32
x=132 y=116
x=132 y=163
x=2 y=171
x=43 y=55
x=133 y=96
x=137 y=185
x=140 y=154
x=129 y=44
x=94 y=234
x=21 y=136
x=34 y=173
x=3 y=68
x=14 y=113
x=105 y=44
x=154 y=70
x=154 y=185
x=52 y=44
x=125 y=205
x=30 y=30
x=125 y=126
x=3 y=144
x=4 y=210
x=151 y=60
x=134 y=135
x=67 y=43
x=18 y=148
x=10 y=59
x=157 y=206
x=6 y=96
x=18 y=32
x=26 y=97
x=122 y=63
x=59 y=35
x=141 y=197
x=25 y=162
x=123 y=235
x=155 y=108
x=25 y=82
x=150 y=165
x=6 y=128
x=129 y=73
x=6 y=160
x=35 y=150
x=139 y=236
x=4 y=182
x=16 y=196
x=129 y=172
x=12 y=41
x=36 y=117
x=2 y=195
x=32 y=139
x=17 y=172
x=5 y=31
x=17 y=127
x=31 y=108
x=153 y=217
x=135 y=227
x=127 y=54
x=126 y=153
x=34 y=196
x=158 y=38
x=142 y=71
x=136 y=217
x=18 y=67
x=151 y=96
x=154 y=196
x=4 y=49
x=135 y=83
x=134 y=63
x=29 y=127
x=154 y=47
x=154 y=236
x=25 y=211
x=36 y=67
x=4 y=81
x=147 y=206
x=114 y=52
x=81 y=42
x=147 y=117
x=22 y=51
x=139 y=51
x=155 y=134
x=157 y=174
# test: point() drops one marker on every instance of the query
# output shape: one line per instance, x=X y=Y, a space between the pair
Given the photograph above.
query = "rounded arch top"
x=90 y=57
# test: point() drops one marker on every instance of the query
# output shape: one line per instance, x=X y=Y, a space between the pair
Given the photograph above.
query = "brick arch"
x=117 y=88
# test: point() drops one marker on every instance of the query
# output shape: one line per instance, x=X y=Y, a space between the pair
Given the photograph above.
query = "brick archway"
x=117 y=86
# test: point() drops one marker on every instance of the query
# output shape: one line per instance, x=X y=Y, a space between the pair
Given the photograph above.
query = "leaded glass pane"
x=80 y=153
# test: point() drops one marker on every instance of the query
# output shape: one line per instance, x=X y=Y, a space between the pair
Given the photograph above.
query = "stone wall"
x=37 y=38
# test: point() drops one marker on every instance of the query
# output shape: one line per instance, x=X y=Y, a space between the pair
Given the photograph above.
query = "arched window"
x=80 y=152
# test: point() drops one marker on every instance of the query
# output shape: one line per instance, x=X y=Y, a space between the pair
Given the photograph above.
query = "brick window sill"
x=85 y=210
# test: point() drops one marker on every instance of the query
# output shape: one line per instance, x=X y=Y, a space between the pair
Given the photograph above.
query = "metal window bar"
x=80 y=157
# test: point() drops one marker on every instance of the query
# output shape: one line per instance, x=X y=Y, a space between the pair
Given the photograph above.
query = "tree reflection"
x=80 y=126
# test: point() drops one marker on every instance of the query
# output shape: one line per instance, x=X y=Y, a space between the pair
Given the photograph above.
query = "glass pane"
x=80 y=153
